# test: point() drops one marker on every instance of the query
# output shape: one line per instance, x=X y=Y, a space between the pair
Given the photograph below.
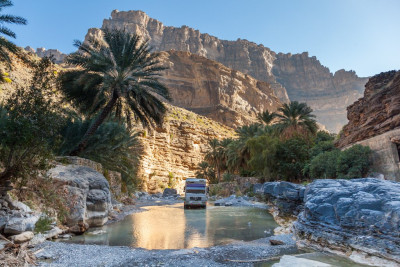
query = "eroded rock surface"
x=305 y=78
x=352 y=215
x=208 y=88
x=88 y=195
x=377 y=112
x=173 y=151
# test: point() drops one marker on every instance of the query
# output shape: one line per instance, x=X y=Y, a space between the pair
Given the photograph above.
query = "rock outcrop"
x=359 y=217
x=208 y=88
x=58 y=56
x=304 y=76
x=172 y=152
x=87 y=194
x=377 y=112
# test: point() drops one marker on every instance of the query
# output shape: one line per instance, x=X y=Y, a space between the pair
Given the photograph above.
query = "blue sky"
x=361 y=35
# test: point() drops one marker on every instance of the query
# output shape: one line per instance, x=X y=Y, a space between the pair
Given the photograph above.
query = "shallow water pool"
x=172 y=227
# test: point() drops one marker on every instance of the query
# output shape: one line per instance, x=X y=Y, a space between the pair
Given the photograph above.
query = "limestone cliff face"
x=377 y=112
x=209 y=88
x=173 y=151
x=58 y=56
x=306 y=79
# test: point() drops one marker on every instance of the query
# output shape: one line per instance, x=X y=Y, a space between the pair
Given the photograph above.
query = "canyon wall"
x=306 y=80
x=298 y=77
x=170 y=153
x=209 y=88
x=377 y=112
x=374 y=121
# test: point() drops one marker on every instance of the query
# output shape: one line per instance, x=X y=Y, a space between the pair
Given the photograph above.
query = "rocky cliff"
x=58 y=56
x=173 y=151
x=377 y=112
x=306 y=79
x=209 y=88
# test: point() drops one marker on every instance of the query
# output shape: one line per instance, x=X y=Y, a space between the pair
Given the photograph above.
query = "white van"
x=195 y=193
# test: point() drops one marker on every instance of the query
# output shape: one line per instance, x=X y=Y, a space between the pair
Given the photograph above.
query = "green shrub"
x=43 y=224
x=354 y=162
x=324 y=165
x=227 y=177
x=29 y=123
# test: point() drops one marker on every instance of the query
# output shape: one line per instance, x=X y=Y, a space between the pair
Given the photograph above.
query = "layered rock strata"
x=377 y=112
x=172 y=152
x=306 y=79
x=209 y=88
x=358 y=217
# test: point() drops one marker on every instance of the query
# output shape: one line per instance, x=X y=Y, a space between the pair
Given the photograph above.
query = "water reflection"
x=172 y=227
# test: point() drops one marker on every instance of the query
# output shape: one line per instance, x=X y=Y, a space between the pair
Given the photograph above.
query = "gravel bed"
x=63 y=254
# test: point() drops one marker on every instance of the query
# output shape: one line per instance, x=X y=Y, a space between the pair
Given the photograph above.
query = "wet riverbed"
x=172 y=227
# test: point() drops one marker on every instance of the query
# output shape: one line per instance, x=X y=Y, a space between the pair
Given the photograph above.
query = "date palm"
x=7 y=46
x=115 y=74
x=266 y=117
x=296 y=118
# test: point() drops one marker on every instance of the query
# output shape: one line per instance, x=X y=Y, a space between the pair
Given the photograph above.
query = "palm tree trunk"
x=93 y=128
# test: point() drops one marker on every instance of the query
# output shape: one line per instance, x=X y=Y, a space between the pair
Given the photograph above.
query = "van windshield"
x=196 y=191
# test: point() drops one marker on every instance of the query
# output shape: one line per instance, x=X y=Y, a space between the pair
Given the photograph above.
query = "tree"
x=266 y=117
x=112 y=145
x=296 y=118
x=29 y=124
x=215 y=156
x=206 y=172
x=7 y=46
x=116 y=73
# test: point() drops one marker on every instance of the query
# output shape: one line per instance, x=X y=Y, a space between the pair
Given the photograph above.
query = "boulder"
x=169 y=192
x=87 y=193
x=353 y=215
x=23 y=237
x=286 y=198
x=19 y=223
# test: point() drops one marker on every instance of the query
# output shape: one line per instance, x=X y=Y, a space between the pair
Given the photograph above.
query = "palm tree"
x=266 y=117
x=214 y=157
x=116 y=73
x=296 y=118
x=5 y=45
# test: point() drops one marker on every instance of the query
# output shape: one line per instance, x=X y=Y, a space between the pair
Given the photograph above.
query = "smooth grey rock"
x=19 y=224
x=361 y=214
x=89 y=196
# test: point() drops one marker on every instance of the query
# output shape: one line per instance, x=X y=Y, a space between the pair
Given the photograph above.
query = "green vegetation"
x=29 y=123
x=7 y=46
x=112 y=145
x=290 y=149
x=43 y=224
x=116 y=74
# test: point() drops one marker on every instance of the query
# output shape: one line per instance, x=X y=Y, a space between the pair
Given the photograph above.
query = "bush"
x=227 y=177
x=29 y=124
x=43 y=224
x=324 y=165
x=354 y=162
x=351 y=163
x=291 y=157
